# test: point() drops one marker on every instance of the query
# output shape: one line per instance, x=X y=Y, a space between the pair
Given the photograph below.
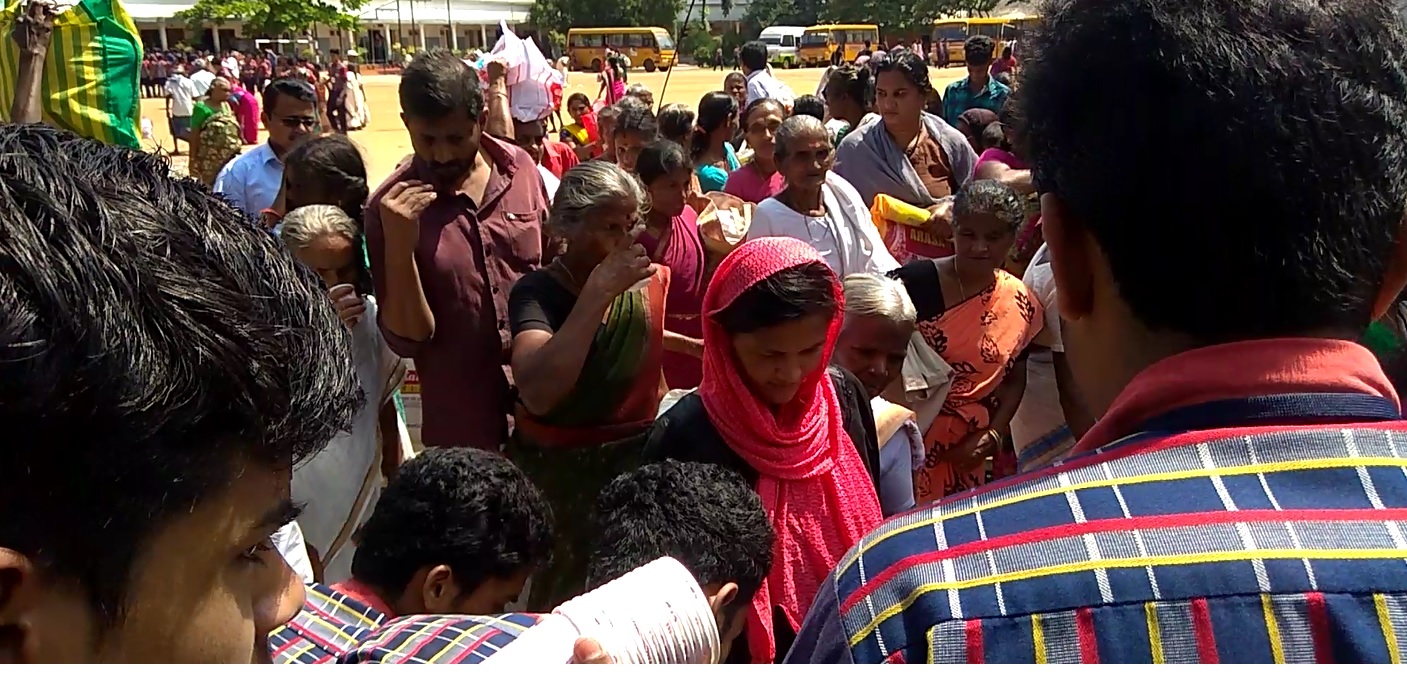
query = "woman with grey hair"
x=588 y=334
x=873 y=344
x=817 y=206
x=340 y=486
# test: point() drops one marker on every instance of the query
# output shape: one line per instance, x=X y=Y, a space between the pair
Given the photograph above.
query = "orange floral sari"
x=981 y=338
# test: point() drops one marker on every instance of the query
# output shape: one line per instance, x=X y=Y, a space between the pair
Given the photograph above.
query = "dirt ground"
x=384 y=141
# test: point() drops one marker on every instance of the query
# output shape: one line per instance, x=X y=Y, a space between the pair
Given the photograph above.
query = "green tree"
x=764 y=13
x=273 y=17
x=561 y=15
x=896 y=16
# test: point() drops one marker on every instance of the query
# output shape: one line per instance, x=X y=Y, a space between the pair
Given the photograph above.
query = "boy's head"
x=701 y=514
x=457 y=531
x=163 y=365
x=1268 y=204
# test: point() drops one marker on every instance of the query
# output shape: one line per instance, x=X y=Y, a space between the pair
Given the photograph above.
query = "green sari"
x=594 y=434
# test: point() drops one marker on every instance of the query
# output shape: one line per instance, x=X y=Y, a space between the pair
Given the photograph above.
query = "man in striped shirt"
x=1219 y=239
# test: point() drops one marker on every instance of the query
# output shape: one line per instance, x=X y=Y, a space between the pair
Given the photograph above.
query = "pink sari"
x=246 y=109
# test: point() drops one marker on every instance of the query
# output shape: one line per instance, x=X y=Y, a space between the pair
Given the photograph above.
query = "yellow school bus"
x=650 y=48
x=949 y=34
x=817 y=42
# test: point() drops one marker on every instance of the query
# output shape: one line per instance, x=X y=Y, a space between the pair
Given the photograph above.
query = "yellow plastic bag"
x=901 y=227
x=90 y=84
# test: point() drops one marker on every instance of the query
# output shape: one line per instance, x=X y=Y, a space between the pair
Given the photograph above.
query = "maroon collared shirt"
x=469 y=255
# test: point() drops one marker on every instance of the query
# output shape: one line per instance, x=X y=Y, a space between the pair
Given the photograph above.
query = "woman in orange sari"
x=588 y=333
x=980 y=319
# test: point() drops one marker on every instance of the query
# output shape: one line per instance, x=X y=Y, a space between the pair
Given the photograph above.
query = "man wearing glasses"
x=252 y=180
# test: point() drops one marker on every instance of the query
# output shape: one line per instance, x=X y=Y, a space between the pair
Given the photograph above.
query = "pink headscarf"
x=813 y=485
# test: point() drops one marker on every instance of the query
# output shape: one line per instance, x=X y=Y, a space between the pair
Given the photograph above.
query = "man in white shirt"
x=761 y=84
x=231 y=63
x=252 y=180
x=180 y=104
x=201 y=78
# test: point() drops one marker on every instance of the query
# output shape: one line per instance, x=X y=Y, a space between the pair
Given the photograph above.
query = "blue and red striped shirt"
x=1243 y=503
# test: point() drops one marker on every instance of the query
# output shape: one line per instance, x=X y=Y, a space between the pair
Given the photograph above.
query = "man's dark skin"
x=31 y=33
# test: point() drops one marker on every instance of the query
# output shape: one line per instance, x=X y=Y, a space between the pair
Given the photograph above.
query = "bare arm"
x=679 y=343
x=540 y=358
x=32 y=31
x=1009 y=397
x=405 y=317
x=391 y=452
x=499 y=115
x=1018 y=179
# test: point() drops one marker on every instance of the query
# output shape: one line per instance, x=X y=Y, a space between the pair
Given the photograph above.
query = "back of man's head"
x=163 y=364
x=703 y=515
x=754 y=55
x=438 y=83
x=978 y=50
x=465 y=520
x=1248 y=177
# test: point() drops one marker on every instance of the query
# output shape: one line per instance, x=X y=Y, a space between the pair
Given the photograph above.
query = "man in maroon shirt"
x=449 y=233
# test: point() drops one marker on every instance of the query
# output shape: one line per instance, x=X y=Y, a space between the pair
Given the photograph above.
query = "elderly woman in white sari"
x=341 y=484
x=817 y=206
x=880 y=319
x=907 y=154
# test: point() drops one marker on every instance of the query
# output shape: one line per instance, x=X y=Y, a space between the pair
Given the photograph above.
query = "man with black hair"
x=457 y=531
x=635 y=128
x=163 y=365
x=978 y=89
x=449 y=233
x=1241 y=498
x=761 y=84
x=701 y=514
x=252 y=180
x=809 y=104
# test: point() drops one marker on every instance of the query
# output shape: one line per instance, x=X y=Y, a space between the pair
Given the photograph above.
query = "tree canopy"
x=561 y=15
x=273 y=17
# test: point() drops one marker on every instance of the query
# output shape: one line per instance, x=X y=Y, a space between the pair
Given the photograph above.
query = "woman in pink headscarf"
x=770 y=409
x=246 y=109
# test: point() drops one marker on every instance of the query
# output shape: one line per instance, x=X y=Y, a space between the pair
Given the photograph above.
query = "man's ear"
x=19 y=590
x=439 y=591
x=725 y=595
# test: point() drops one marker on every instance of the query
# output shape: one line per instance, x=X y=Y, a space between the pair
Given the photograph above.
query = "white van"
x=782 y=42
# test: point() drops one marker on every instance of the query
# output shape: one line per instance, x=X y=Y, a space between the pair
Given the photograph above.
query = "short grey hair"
x=584 y=189
x=636 y=89
x=874 y=295
x=305 y=224
x=796 y=128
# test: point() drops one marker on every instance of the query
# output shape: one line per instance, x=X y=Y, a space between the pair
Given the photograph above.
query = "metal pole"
x=400 y=33
x=659 y=100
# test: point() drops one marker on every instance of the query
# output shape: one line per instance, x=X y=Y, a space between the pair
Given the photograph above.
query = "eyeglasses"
x=297 y=122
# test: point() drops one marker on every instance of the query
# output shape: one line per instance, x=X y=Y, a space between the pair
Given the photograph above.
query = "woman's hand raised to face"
x=617 y=273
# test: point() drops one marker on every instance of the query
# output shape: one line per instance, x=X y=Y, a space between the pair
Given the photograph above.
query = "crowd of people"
x=898 y=375
x=214 y=105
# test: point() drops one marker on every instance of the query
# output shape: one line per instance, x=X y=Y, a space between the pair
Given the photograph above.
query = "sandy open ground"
x=385 y=143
